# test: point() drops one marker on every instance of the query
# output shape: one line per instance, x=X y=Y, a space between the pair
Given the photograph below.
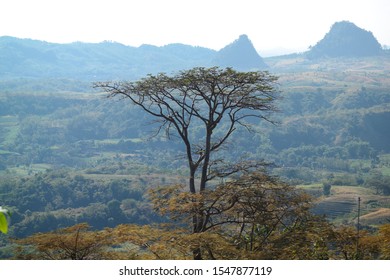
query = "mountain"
x=92 y=61
x=345 y=39
x=240 y=55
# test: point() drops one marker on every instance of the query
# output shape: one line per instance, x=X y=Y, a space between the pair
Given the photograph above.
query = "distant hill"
x=91 y=61
x=241 y=55
x=345 y=39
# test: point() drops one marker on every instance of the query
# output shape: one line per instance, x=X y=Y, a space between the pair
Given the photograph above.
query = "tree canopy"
x=201 y=96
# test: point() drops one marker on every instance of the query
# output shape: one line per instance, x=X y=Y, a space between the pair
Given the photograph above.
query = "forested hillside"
x=330 y=128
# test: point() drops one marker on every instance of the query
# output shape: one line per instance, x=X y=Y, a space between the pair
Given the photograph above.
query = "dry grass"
x=379 y=216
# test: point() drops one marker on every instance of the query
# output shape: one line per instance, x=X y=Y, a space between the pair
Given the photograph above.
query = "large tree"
x=216 y=100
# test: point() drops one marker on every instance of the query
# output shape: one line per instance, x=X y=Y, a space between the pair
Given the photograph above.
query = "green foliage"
x=4 y=214
x=58 y=198
x=378 y=181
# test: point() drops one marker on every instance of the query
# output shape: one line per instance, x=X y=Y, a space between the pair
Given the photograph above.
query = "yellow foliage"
x=384 y=236
x=76 y=243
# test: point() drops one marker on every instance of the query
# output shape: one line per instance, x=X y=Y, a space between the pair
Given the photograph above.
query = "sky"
x=272 y=25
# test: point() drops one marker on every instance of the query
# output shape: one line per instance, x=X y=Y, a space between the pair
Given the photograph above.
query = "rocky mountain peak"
x=345 y=39
x=240 y=55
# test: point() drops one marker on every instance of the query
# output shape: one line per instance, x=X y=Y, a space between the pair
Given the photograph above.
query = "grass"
x=385 y=170
x=385 y=158
x=145 y=180
x=4 y=152
x=379 y=216
x=8 y=120
x=9 y=127
x=348 y=191
x=24 y=170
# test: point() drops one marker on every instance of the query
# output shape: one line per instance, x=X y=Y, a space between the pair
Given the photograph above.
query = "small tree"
x=326 y=187
x=217 y=100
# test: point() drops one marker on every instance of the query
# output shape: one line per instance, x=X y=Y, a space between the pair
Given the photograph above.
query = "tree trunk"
x=206 y=161
x=199 y=218
x=198 y=222
x=197 y=254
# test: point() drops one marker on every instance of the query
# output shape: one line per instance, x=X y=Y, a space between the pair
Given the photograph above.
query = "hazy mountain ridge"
x=33 y=58
x=90 y=61
x=110 y=60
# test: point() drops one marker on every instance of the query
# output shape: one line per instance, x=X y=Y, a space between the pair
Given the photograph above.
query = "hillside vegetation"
x=331 y=128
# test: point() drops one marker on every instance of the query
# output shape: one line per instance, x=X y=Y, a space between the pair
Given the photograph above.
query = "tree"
x=77 y=242
x=216 y=100
x=326 y=187
x=378 y=181
x=253 y=215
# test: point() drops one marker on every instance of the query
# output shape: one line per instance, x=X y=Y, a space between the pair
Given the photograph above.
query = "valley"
x=324 y=135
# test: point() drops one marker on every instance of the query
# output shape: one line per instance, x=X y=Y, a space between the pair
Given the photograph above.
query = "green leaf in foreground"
x=3 y=221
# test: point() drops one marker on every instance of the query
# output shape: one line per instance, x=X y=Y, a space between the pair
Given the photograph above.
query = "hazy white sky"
x=290 y=24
